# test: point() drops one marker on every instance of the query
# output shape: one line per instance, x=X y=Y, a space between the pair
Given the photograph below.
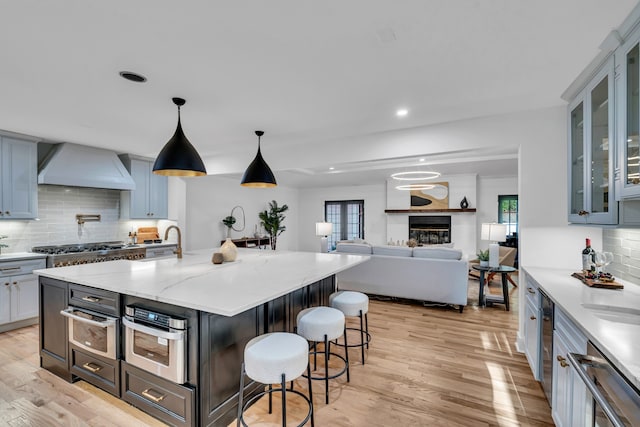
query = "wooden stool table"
x=504 y=272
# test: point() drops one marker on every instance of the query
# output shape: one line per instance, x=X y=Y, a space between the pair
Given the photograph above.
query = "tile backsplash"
x=57 y=225
x=624 y=243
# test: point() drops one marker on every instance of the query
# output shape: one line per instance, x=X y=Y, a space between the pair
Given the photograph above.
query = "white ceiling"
x=303 y=71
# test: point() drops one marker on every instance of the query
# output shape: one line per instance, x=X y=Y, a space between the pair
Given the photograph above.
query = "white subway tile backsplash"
x=624 y=243
x=57 y=209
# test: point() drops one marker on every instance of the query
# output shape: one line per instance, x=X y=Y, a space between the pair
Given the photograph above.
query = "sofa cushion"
x=353 y=248
x=437 y=253
x=402 y=251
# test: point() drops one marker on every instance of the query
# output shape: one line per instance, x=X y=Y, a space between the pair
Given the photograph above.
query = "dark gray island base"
x=214 y=349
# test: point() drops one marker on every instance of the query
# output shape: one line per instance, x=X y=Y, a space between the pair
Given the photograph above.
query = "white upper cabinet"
x=591 y=151
x=150 y=198
x=18 y=179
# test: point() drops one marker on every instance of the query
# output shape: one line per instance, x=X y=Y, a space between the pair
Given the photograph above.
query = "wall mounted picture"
x=433 y=198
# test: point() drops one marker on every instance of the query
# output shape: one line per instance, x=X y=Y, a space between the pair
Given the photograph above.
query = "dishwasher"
x=546 y=344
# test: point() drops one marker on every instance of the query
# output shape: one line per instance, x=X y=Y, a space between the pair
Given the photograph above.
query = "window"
x=347 y=217
x=508 y=213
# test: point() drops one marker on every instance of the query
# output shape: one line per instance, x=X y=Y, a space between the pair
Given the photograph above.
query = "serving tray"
x=595 y=283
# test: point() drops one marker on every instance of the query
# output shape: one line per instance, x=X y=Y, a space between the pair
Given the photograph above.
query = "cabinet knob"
x=531 y=291
x=583 y=213
x=7 y=284
x=15 y=283
x=533 y=318
x=7 y=212
x=563 y=361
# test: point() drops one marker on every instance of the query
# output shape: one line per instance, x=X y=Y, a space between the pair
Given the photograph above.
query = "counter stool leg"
x=315 y=356
x=346 y=351
x=284 y=401
x=326 y=370
x=270 y=399
x=366 y=325
x=241 y=394
x=362 y=337
x=505 y=291
x=310 y=394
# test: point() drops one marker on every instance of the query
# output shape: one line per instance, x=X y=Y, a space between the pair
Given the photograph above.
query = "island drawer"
x=167 y=401
x=102 y=373
x=105 y=302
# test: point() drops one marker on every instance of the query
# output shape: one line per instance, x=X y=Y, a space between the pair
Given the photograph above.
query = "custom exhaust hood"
x=83 y=166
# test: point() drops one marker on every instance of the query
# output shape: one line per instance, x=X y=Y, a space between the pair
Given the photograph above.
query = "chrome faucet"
x=178 y=251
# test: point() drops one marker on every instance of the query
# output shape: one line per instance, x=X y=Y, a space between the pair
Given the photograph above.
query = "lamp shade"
x=258 y=174
x=178 y=157
x=493 y=232
x=323 y=228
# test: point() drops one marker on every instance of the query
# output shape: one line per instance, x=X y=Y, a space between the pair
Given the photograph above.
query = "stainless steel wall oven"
x=156 y=343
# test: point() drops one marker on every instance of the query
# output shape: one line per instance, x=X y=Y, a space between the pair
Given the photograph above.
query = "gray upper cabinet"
x=592 y=151
x=628 y=167
x=149 y=199
x=18 y=179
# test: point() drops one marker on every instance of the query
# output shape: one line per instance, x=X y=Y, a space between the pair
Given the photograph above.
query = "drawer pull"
x=9 y=269
x=560 y=358
x=153 y=395
x=91 y=299
x=533 y=318
x=90 y=366
x=531 y=291
x=563 y=361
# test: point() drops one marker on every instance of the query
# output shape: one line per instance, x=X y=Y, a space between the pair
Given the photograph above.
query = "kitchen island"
x=224 y=307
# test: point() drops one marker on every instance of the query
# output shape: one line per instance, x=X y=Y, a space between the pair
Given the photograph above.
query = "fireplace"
x=430 y=230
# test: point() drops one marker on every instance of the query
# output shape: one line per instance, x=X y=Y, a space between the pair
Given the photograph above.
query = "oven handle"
x=174 y=336
x=577 y=360
x=111 y=321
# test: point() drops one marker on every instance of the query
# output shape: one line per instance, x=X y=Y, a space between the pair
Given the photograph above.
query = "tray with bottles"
x=598 y=280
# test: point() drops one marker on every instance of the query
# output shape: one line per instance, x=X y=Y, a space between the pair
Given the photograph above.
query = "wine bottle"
x=588 y=254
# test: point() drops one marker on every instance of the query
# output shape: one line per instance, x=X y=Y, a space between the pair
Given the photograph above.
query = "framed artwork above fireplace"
x=433 y=198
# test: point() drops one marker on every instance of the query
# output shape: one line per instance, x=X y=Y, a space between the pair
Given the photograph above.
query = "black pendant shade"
x=258 y=174
x=178 y=157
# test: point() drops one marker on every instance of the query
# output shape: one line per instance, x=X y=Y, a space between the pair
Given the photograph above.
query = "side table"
x=504 y=271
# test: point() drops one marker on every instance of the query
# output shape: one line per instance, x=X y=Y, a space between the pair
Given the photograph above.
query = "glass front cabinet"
x=591 y=151
x=628 y=165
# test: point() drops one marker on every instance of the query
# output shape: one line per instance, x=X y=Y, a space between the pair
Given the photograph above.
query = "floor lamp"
x=494 y=233
x=324 y=229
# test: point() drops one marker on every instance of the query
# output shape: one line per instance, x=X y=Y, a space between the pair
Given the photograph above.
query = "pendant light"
x=258 y=174
x=178 y=157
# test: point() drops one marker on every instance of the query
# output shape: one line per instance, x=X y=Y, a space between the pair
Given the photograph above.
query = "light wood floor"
x=425 y=367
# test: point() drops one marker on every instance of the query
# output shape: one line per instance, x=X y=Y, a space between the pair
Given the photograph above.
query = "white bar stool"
x=323 y=324
x=275 y=358
x=353 y=304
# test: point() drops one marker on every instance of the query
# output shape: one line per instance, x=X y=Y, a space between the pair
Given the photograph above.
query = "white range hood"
x=82 y=166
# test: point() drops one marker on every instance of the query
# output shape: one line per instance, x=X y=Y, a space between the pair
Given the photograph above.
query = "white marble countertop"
x=619 y=341
x=17 y=256
x=193 y=281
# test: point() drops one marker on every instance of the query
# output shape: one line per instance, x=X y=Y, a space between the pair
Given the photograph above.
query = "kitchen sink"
x=614 y=313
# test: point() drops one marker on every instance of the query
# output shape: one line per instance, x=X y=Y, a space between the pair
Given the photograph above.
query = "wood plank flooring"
x=427 y=366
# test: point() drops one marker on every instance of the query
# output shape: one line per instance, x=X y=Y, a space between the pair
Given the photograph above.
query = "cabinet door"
x=19 y=179
x=140 y=196
x=53 y=327
x=532 y=337
x=576 y=159
x=561 y=405
x=24 y=297
x=5 y=300
x=158 y=188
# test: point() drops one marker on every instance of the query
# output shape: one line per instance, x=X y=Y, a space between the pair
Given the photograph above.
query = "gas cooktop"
x=85 y=253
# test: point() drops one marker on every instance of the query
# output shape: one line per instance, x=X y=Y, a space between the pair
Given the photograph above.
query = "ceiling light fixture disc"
x=408 y=187
x=415 y=175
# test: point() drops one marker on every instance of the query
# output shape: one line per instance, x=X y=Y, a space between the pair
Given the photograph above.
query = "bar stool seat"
x=323 y=324
x=353 y=304
x=275 y=358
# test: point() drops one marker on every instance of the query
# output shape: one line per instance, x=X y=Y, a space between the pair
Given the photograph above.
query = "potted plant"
x=272 y=220
x=229 y=221
x=483 y=257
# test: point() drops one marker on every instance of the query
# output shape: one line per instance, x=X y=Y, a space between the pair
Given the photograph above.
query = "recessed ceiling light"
x=402 y=112
x=415 y=175
x=422 y=160
x=331 y=168
x=134 y=77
